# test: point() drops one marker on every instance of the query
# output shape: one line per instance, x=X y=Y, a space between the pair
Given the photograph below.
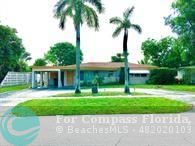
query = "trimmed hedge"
x=162 y=76
x=189 y=75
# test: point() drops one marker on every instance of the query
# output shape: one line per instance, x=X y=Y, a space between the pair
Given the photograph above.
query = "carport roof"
x=97 y=66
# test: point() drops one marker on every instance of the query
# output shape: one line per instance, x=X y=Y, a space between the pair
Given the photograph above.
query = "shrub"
x=189 y=75
x=162 y=76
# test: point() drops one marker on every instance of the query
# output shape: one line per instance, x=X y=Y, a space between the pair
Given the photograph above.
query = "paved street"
x=114 y=131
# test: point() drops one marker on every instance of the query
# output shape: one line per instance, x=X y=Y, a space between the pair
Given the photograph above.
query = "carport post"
x=41 y=79
x=59 y=79
x=34 y=85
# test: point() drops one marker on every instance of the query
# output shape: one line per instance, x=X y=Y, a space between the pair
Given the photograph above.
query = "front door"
x=70 y=78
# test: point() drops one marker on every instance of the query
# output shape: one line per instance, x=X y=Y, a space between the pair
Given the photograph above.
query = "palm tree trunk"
x=78 y=44
x=125 y=51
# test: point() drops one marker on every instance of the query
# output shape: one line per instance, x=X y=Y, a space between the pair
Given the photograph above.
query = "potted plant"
x=95 y=85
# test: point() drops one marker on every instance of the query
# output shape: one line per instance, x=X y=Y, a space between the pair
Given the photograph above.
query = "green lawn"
x=187 y=88
x=13 y=88
x=94 y=106
x=85 y=94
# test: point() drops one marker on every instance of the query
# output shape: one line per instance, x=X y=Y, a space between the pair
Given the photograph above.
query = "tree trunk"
x=77 y=86
x=125 y=51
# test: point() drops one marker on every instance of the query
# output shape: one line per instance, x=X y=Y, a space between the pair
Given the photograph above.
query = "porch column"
x=47 y=79
x=65 y=79
x=34 y=85
x=41 y=79
x=59 y=79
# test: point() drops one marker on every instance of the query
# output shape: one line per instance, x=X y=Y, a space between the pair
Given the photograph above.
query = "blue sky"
x=39 y=30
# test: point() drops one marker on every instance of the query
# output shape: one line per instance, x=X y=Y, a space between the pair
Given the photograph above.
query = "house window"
x=132 y=75
x=137 y=75
x=143 y=75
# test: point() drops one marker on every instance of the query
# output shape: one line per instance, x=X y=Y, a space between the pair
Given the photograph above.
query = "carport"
x=52 y=77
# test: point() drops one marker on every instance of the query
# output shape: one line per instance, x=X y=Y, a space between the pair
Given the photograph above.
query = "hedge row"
x=162 y=76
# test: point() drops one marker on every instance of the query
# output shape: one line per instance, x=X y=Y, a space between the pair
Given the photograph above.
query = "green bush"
x=162 y=76
x=189 y=75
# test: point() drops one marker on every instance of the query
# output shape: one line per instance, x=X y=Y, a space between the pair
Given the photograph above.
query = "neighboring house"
x=187 y=74
x=64 y=76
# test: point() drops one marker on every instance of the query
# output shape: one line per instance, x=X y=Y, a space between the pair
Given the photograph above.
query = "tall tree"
x=182 y=22
x=167 y=52
x=40 y=62
x=80 y=11
x=23 y=62
x=54 y=55
x=125 y=24
x=11 y=50
x=118 y=58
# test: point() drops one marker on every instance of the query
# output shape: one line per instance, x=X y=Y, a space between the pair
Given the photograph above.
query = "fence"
x=16 y=78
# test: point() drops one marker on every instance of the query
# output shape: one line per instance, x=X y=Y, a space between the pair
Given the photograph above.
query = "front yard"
x=94 y=106
x=13 y=88
x=185 y=88
x=104 y=93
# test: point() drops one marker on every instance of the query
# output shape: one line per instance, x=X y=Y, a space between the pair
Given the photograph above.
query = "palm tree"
x=80 y=11
x=125 y=24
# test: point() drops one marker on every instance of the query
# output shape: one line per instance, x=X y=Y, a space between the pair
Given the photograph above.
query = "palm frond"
x=63 y=15
x=117 y=31
x=62 y=21
x=90 y=16
x=128 y=12
x=25 y=56
x=137 y=28
x=116 y=20
x=97 y=4
x=59 y=7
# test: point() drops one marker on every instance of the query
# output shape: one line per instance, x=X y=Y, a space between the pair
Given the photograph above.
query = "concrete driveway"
x=13 y=98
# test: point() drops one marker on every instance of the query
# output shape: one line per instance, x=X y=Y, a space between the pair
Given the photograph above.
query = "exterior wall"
x=53 y=77
x=70 y=78
x=138 y=80
x=112 y=77
x=105 y=76
x=16 y=78
x=139 y=76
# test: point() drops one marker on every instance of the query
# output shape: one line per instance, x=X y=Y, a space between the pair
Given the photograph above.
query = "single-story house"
x=64 y=76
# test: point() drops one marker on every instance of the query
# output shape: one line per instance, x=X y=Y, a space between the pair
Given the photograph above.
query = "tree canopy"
x=62 y=54
x=125 y=24
x=40 y=62
x=11 y=51
x=182 y=22
x=166 y=52
x=118 y=58
x=80 y=10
